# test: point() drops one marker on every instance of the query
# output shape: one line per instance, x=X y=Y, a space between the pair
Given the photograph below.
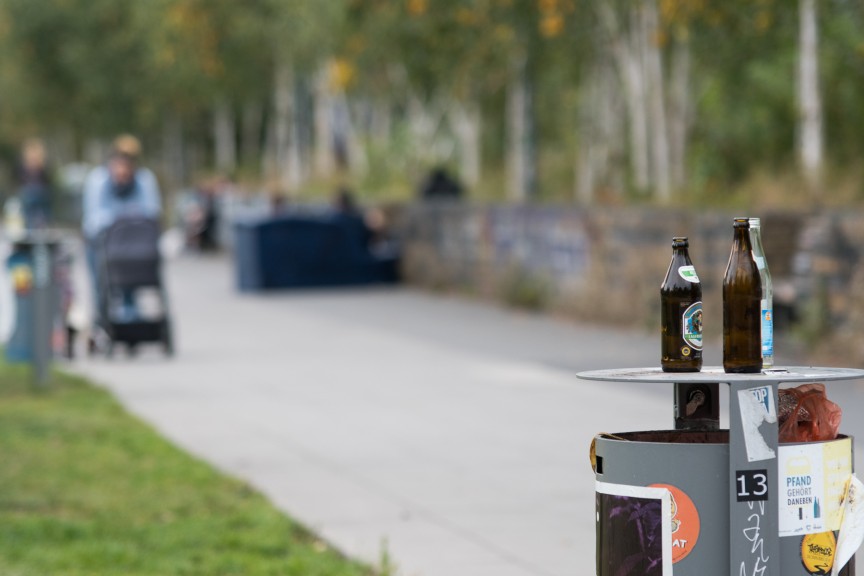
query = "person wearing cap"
x=114 y=190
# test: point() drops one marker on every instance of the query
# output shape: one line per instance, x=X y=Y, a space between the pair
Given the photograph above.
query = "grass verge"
x=87 y=489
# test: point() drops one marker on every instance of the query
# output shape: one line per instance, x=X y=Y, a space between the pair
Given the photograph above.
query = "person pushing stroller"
x=115 y=194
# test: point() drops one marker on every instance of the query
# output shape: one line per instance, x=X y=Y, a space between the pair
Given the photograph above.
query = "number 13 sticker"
x=751 y=485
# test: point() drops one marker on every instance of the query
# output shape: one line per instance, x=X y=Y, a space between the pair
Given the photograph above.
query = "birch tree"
x=521 y=162
x=810 y=130
x=656 y=98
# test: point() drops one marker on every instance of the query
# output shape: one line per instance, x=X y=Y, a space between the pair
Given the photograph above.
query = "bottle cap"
x=680 y=242
x=741 y=223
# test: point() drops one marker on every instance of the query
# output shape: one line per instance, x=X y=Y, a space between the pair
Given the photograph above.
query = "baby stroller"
x=128 y=270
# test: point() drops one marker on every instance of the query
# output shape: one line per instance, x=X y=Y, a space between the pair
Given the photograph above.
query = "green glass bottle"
x=742 y=311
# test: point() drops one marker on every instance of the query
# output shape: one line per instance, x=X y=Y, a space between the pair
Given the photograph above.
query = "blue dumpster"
x=307 y=250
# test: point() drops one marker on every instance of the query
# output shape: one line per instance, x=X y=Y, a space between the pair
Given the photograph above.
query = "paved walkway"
x=453 y=433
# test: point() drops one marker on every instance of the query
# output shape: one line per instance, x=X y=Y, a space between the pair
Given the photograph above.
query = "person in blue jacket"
x=116 y=189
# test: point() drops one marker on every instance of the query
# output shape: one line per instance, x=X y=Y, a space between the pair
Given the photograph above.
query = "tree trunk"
x=626 y=48
x=323 y=120
x=600 y=130
x=224 y=136
x=466 y=119
x=810 y=144
x=285 y=129
x=294 y=163
x=520 y=127
x=425 y=120
x=679 y=110
x=381 y=122
x=656 y=100
x=348 y=145
x=195 y=154
x=173 y=151
x=586 y=174
x=253 y=117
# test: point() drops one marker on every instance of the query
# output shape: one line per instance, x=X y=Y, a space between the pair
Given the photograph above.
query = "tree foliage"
x=91 y=68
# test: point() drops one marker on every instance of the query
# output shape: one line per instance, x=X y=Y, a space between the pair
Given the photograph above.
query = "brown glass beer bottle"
x=681 y=313
x=742 y=294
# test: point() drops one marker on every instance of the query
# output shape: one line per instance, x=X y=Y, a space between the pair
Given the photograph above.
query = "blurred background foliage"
x=576 y=101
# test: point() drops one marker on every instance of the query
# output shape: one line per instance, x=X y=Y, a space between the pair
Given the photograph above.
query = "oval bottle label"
x=691 y=325
x=767 y=330
x=688 y=273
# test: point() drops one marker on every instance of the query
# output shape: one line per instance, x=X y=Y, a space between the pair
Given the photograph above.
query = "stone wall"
x=607 y=264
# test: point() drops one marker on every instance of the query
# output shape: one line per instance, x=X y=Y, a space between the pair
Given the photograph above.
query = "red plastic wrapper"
x=806 y=415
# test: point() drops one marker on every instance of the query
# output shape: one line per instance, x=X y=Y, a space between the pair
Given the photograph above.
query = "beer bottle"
x=742 y=292
x=681 y=313
x=767 y=305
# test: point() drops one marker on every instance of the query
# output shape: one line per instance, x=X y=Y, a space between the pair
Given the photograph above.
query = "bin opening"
x=678 y=436
x=682 y=437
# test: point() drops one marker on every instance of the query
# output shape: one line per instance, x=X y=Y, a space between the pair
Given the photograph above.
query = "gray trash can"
x=728 y=501
x=32 y=270
x=694 y=467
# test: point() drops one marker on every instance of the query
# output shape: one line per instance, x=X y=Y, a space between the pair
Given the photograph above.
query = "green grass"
x=87 y=489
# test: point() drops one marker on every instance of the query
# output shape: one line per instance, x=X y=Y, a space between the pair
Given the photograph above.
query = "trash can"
x=712 y=502
x=694 y=467
x=32 y=271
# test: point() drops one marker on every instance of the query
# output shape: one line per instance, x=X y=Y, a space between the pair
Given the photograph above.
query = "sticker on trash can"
x=812 y=482
x=852 y=527
x=757 y=406
x=634 y=530
x=751 y=485
x=817 y=553
x=684 y=523
x=22 y=278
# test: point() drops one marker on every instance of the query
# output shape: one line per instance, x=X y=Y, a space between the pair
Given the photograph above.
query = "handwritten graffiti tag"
x=756 y=565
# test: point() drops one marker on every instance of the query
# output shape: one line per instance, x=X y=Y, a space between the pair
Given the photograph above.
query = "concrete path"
x=454 y=434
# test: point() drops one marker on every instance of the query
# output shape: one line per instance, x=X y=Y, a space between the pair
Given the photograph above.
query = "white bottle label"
x=688 y=273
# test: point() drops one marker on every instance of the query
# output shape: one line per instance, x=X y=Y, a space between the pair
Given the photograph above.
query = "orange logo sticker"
x=685 y=523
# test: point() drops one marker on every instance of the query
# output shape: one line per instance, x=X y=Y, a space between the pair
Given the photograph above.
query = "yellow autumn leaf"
x=417 y=7
x=341 y=73
x=551 y=25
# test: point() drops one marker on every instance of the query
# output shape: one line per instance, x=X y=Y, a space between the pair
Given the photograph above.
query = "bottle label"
x=688 y=273
x=691 y=326
x=767 y=330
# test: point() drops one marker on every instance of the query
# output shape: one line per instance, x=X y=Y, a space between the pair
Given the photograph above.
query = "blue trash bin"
x=19 y=266
x=32 y=271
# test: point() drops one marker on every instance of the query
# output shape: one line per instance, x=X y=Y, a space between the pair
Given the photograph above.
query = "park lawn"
x=87 y=489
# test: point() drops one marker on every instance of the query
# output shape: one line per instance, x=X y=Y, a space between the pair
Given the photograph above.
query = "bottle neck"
x=680 y=254
x=742 y=239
